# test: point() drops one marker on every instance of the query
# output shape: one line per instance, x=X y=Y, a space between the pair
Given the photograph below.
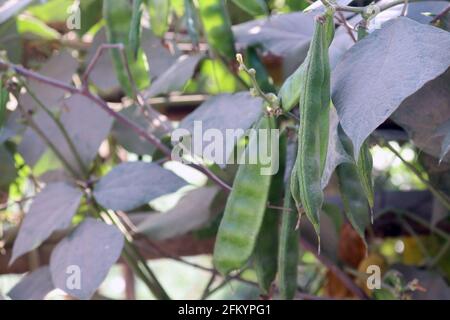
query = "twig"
x=440 y=196
x=346 y=25
x=345 y=279
x=440 y=15
x=119 y=117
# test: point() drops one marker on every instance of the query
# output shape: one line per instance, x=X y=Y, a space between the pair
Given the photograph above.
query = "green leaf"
x=253 y=7
x=217 y=27
x=159 y=11
x=133 y=184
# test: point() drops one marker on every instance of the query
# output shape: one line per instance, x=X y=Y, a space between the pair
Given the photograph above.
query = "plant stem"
x=50 y=144
x=438 y=194
x=345 y=279
x=61 y=128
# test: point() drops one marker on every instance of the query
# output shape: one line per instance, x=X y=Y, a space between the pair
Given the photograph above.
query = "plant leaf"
x=281 y=34
x=175 y=77
x=191 y=213
x=336 y=153
x=424 y=115
x=89 y=252
x=85 y=123
x=10 y=8
x=129 y=139
x=221 y=113
x=386 y=65
x=51 y=210
x=133 y=184
x=34 y=285
x=7 y=167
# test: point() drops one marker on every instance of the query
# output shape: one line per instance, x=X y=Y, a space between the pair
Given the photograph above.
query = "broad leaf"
x=85 y=123
x=382 y=70
x=129 y=139
x=175 y=77
x=279 y=34
x=336 y=153
x=133 y=184
x=424 y=115
x=51 y=210
x=81 y=261
x=33 y=286
x=9 y=8
x=59 y=67
x=222 y=113
x=159 y=57
x=423 y=12
x=445 y=130
x=192 y=212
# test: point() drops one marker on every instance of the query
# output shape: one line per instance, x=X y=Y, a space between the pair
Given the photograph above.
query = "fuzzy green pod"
x=353 y=198
x=266 y=249
x=314 y=105
x=288 y=252
x=364 y=167
x=135 y=28
x=290 y=91
x=244 y=211
x=118 y=16
x=217 y=27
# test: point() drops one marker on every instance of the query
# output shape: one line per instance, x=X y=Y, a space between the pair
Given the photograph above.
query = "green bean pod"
x=365 y=162
x=290 y=91
x=288 y=252
x=353 y=198
x=266 y=249
x=117 y=15
x=217 y=27
x=135 y=28
x=364 y=168
x=314 y=107
x=244 y=211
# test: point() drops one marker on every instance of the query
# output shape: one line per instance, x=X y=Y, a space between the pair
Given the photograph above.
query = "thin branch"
x=61 y=128
x=437 y=193
x=341 y=19
x=440 y=15
x=345 y=279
